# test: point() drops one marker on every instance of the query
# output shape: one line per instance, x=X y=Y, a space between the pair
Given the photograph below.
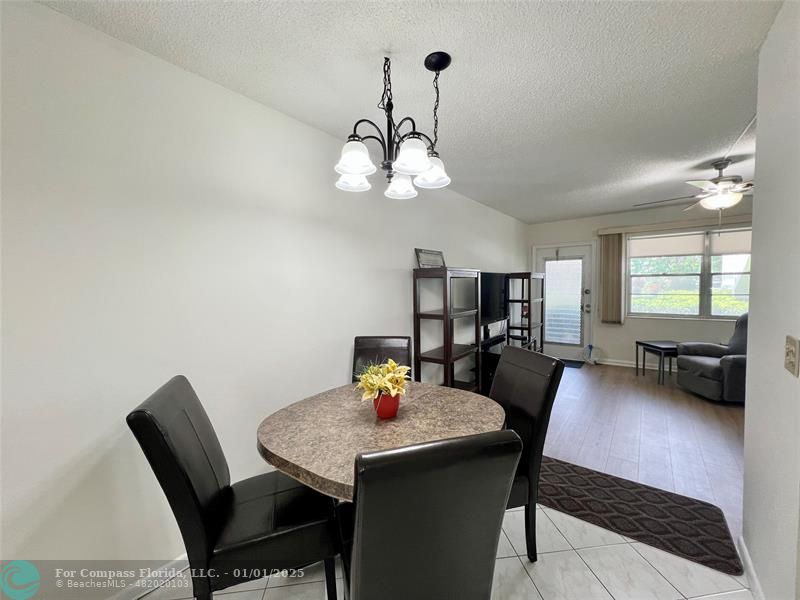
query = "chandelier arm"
x=378 y=129
x=401 y=123
x=377 y=139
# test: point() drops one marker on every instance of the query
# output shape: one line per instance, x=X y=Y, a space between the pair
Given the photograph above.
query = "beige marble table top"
x=316 y=440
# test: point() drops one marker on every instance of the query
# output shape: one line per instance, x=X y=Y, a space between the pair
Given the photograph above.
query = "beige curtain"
x=611 y=274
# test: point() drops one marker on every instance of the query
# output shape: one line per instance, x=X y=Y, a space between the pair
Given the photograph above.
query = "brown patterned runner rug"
x=686 y=527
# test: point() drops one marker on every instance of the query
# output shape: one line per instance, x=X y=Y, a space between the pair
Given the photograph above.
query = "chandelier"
x=405 y=155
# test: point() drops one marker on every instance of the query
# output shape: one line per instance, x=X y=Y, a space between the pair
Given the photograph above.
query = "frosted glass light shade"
x=434 y=178
x=400 y=188
x=355 y=160
x=353 y=183
x=412 y=159
x=720 y=201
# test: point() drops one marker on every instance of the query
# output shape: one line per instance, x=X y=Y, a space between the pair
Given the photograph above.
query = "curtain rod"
x=710 y=222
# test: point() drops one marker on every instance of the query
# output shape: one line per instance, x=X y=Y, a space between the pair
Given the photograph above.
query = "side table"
x=663 y=348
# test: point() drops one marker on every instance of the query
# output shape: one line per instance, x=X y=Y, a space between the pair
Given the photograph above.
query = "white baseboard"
x=146 y=585
x=613 y=362
x=750 y=572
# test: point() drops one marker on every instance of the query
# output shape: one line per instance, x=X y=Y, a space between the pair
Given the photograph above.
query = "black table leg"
x=637 y=359
x=670 y=365
x=661 y=368
x=644 y=361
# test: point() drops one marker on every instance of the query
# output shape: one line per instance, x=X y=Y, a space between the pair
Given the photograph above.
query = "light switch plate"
x=791 y=358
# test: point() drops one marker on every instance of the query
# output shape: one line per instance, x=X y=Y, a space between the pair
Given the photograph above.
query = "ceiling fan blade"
x=743 y=188
x=691 y=207
x=667 y=200
x=706 y=186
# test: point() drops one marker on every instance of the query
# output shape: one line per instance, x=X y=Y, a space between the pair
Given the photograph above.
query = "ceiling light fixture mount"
x=405 y=155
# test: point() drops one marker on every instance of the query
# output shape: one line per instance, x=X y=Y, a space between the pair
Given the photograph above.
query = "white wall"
x=616 y=343
x=772 y=413
x=156 y=223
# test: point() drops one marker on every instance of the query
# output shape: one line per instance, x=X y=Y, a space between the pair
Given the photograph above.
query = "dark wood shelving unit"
x=449 y=352
x=456 y=313
x=528 y=330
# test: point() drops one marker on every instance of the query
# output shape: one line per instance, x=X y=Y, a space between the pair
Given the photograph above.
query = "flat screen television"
x=493 y=297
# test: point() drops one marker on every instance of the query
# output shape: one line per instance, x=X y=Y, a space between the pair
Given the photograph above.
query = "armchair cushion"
x=701 y=366
x=702 y=349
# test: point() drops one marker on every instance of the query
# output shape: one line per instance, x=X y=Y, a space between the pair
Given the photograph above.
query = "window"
x=698 y=274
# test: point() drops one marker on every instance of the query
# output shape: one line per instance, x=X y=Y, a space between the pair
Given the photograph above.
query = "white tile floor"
x=577 y=561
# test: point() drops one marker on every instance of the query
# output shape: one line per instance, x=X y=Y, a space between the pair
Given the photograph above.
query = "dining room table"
x=316 y=440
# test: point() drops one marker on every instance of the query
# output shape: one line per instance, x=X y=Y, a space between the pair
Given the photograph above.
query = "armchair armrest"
x=734 y=369
x=702 y=349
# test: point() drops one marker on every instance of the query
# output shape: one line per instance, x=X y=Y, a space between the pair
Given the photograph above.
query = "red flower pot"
x=386 y=406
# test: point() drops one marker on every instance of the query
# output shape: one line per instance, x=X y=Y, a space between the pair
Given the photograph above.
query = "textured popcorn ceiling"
x=549 y=111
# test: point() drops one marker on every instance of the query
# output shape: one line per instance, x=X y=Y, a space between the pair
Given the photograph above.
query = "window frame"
x=705 y=276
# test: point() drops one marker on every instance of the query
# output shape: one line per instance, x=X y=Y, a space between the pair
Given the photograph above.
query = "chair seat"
x=519 y=492
x=701 y=366
x=274 y=522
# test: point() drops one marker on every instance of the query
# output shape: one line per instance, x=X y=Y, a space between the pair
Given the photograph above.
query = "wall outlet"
x=791 y=359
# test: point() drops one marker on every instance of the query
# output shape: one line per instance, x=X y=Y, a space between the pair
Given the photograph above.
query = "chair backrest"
x=378 y=349
x=525 y=385
x=428 y=517
x=738 y=342
x=179 y=441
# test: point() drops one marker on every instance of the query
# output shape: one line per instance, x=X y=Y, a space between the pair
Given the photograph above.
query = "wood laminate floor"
x=608 y=419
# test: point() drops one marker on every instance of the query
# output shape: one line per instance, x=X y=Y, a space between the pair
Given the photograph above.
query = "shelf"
x=437 y=354
x=442 y=272
x=469 y=386
x=453 y=315
x=456 y=313
x=533 y=325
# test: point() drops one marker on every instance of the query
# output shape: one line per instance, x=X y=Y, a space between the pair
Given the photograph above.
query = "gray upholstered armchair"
x=715 y=371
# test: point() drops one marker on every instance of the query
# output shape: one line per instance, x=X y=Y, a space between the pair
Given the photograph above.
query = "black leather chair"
x=716 y=371
x=378 y=349
x=428 y=518
x=262 y=523
x=525 y=385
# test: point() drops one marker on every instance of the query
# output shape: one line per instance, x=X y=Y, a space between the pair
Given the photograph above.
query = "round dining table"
x=316 y=440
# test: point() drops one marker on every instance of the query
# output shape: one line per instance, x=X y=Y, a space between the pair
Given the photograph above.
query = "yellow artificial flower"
x=388 y=378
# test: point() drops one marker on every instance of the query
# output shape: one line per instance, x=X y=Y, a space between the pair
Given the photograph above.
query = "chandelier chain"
x=386 y=97
x=435 y=112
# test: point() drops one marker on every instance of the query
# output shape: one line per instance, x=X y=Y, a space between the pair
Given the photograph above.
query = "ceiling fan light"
x=355 y=160
x=400 y=188
x=353 y=183
x=721 y=201
x=434 y=178
x=412 y=159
